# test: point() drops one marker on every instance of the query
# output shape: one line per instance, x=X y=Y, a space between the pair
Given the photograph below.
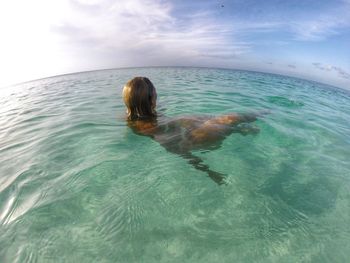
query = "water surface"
x=77 y=185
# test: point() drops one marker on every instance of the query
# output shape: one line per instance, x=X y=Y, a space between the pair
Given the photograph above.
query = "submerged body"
x=183 y=134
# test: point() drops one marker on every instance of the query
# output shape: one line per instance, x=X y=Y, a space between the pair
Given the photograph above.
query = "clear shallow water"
x=77 y=185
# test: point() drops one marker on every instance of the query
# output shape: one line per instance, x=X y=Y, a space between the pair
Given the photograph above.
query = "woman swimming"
x=183 y=134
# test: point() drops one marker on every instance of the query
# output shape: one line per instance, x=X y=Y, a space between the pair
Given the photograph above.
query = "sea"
x=78 y=185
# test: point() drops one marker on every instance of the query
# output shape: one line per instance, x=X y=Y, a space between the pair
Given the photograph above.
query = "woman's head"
x=140 y=98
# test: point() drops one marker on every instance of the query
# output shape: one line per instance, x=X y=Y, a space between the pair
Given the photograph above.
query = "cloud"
x=313 y=30
x=127 y=30
x=323 y=67
x=341 y=72
x=321 y=27
x=291 y=66
x=329 y=21
x=305 y=21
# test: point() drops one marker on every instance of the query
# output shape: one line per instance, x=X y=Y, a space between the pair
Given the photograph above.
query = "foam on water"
x=77 y=185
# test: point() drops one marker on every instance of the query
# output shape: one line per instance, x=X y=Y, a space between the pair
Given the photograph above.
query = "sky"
x=309 y=39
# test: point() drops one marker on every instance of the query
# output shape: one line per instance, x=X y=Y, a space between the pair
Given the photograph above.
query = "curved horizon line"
x=193 y=67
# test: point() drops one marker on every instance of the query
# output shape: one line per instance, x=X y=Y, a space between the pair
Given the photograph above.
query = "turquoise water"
x=77 y=185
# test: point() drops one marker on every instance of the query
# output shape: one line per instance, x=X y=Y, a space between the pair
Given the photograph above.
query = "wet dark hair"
x=139 y=96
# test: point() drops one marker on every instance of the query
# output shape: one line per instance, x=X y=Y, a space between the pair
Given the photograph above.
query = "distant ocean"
x=77 y=185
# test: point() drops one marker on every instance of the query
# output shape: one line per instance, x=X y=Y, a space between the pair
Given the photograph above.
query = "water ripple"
x=77 y=185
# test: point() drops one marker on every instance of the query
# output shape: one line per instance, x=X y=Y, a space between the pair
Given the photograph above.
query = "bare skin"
x=182 y=135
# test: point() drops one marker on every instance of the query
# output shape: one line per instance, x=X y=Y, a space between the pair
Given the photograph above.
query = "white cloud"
x=53 y=37
x=341 y=72
x=130 y=29
x=311 y=25
x=319 y=28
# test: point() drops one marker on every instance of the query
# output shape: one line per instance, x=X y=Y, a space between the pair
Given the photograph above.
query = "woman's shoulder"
x=143 y=126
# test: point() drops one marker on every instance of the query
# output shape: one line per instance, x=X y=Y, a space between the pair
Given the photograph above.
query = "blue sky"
x=308 y=39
